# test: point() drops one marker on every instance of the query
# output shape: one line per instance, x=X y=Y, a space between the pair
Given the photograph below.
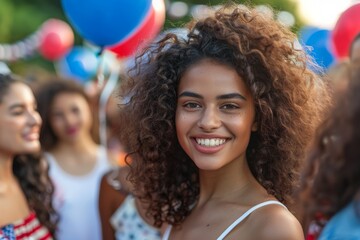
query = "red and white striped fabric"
x=30 y=229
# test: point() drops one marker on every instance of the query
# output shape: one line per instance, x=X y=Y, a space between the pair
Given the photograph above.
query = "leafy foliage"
x=21 y=18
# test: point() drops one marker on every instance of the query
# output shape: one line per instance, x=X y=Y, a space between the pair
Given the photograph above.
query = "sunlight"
x=322 y=13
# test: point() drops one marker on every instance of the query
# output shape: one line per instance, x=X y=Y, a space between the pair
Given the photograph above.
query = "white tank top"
x=76 y=199
x=235 y=223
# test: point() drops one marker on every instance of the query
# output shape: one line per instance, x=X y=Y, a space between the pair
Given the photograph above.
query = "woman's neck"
x=230 y=182
x=80 y=146
x=7 y=177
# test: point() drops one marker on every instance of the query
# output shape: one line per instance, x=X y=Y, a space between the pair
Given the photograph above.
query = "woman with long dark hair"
x=26 y=191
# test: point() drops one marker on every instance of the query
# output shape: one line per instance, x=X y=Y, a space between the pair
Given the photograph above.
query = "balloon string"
x=100 y=51
x=100 y=71
x=104 y=96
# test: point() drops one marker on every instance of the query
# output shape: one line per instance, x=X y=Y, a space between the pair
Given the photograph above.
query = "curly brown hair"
x=331 y=178
x=32 y=175
x=286 y=95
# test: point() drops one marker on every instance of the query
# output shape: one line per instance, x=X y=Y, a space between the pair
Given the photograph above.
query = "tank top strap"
x=49 y=157
x=167 y=232
x=245 y=215
x=54 y=166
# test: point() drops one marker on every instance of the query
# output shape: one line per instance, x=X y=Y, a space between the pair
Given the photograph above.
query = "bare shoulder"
x=116 y=180
x=274 y=222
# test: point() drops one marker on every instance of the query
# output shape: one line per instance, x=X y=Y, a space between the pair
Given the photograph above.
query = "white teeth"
x=210 y=142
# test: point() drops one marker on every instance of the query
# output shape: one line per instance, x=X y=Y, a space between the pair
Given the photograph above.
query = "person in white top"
x=76 y=161
x=218 y=123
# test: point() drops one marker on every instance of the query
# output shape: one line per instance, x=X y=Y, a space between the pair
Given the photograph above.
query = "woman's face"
x=70 y=117
x=215 y=115
x=19 y=121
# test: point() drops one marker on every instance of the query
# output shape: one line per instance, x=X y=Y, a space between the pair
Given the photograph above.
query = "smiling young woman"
x=217 y=126
x=25 y=188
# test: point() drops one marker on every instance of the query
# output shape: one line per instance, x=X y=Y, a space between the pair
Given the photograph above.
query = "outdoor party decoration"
x=20 y=49
x=346 y=28
x=305 y=32
x=80 y=64
x=52 y=40
x=106 y=22
x=320 y=47
x=147 y=31
x=56 y=39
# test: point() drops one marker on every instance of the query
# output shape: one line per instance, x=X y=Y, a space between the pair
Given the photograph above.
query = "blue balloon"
x=79 y=64
x=305 y=32
x=106 y=22
x=318 y=46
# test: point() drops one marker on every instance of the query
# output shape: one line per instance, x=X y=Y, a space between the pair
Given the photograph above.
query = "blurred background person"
x=331 y=180
x=355 y=48
x=123 y=215
x=26 y=210
x=338 y=77
x=77 y=162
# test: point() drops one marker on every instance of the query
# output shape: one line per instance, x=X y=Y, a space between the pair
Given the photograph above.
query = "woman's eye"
x=57 y=114
x=229 y=106
x=17 y=113
x=191 y=105
x=75 y=110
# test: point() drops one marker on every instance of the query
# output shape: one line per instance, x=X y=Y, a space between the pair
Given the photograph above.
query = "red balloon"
x=346 y=28
x=56 y=39
x=146 y=31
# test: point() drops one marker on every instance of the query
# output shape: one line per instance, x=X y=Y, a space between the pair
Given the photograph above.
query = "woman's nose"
x=34 y=118
x=70 y=118
x=209 y=119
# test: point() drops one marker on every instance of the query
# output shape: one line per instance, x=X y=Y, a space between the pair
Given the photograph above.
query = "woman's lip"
x=71 y=131
x=207 y=149
x=209 y=136
x=31 y=136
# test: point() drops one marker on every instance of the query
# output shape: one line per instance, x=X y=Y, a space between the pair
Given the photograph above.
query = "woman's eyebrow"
x=231 y=95
x=221 y=97
x=190 y=94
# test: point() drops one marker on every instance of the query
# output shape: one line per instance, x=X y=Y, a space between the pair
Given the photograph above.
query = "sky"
x=323 y=13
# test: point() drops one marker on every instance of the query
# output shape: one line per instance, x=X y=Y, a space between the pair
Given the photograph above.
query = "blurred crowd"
x=226 y=131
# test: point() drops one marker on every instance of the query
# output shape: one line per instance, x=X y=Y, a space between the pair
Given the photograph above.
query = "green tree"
x=277 y=5
x=21 y=18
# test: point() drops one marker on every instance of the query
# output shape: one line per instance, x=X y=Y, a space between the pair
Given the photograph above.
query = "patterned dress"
x=129 y=225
